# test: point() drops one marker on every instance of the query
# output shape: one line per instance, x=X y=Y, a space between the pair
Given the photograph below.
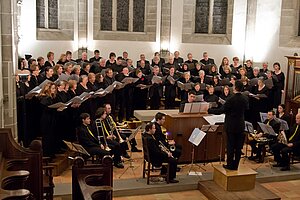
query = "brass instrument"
x=172 y=147
x=98 y=124
x=164 y=148
x=113 y=127
x=282 y=138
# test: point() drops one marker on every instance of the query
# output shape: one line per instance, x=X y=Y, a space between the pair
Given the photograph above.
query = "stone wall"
x=8 y=64
x=289 y=24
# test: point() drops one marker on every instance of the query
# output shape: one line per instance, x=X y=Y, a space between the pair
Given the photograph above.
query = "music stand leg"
x=193 y=160
x=131 y=166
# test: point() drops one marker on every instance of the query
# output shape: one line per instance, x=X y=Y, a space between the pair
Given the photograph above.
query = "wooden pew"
x=92 y=181
x=21 y=169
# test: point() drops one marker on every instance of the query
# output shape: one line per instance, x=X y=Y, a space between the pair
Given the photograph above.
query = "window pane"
x=106 y=15
x=138 y=15
x=40 y=14
x=122 y=15
x=220 y=16
x=52 y=14
x=201 y=16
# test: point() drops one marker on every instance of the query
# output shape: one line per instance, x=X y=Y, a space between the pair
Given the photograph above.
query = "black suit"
x=159 y=136
x=90 y=142
x=234 y=109
x=157 y=156
x=281 y=150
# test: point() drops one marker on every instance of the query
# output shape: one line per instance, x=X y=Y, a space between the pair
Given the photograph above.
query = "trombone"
x=112 y=126
x=98 y=124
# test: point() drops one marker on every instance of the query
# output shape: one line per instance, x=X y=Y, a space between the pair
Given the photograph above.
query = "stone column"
x=8 y=62
x=165 y=30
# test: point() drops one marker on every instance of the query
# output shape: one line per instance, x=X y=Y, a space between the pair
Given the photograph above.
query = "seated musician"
x=258 y=146
x=160 y=119
x=113 y=135
x=292 y=144
x=88 y=139
x=133 y=143
x=191 y=99
x=109 y=138
x=158 y=155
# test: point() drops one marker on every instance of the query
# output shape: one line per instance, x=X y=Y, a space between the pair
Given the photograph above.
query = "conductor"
x=234 y=110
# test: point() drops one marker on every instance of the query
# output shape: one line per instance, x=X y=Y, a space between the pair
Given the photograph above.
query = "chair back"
x=146 y=149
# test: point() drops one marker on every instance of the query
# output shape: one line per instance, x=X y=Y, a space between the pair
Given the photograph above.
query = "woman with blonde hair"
x=48 y=122
x=224 y=63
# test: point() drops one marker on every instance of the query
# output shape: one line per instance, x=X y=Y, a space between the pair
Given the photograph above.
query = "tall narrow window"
x=211 y=16
x=106 y=15
x=138 y=15
x=47 y=14
x=202 y=16
x=122 y=15
x=220 y=17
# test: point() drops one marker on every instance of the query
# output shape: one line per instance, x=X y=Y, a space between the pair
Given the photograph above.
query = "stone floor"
x=284 y=189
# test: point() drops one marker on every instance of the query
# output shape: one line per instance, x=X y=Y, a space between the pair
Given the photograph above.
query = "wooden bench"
x=92 y=181
x=20 y=169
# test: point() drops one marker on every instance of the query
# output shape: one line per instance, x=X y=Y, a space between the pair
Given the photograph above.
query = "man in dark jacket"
x=157 y=155
x=234 y=110
x=281 y=150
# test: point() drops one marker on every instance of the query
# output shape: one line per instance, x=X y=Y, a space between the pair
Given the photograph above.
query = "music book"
x=129 y=80
x=209 y=128
x=143 y=86
x=267 y=129
x=171 y=79
x=258 y=95
x=60 y=106
x=196 y=136
x=263 y=116
x=249 y=127
x=118 y=85
x=36 y=90
x=187 y=107
x=76 y=147
x=213 y=119
x=156 y=79
x=222 y=101
x=185 y=86
x=199 y=97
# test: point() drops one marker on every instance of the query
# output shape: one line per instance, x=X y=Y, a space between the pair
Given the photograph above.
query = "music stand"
x=212 y=129
x=248 y=129
x=131 y=160
x=77 y=148
x=195 y=138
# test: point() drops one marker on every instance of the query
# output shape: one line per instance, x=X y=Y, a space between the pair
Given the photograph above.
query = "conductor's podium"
x=234 y=180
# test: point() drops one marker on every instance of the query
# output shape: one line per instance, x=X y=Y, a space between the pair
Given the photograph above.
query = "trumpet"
x=113 y=127
x=172 y=147
x=99 y=125
x=164 y=148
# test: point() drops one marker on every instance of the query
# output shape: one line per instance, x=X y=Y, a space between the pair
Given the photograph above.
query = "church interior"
x=149 y=99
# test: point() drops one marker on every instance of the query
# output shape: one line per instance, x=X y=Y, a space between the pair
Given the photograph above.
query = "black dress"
x=48 y=123
x=278 y=86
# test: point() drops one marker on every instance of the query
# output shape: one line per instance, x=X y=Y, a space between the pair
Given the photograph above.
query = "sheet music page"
x=197 y=136
x=213 y=119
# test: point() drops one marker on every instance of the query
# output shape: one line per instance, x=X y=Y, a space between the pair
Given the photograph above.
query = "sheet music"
x=267 y=129
x=143 y=86
x=263 y=117
x=222 y=101
x=80 y=149
x=213 y=119
x=156 y=79
x=283 y=125
x=199 y=97
x=209 y=128
x=249 y=127
x=196 y=136
x=187 y=107
x=129 y=80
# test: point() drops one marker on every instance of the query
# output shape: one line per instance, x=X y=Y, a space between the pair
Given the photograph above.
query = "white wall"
x=266 y=42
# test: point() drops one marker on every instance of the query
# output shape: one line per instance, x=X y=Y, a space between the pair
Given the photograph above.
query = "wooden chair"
x=148 y=167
